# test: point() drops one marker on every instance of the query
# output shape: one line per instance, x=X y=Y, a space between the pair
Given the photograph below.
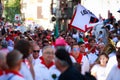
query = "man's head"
x=92 y=41
x=14 y=59
x=101 y=47
x=75 y=50
x=36 y=50
x=48 y=54
x=82 y=47
x=24 y=47
x=62 y=59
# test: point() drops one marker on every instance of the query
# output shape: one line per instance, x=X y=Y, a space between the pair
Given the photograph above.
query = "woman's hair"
x=101 y=55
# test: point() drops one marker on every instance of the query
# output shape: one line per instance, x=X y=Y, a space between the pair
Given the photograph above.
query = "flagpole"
x=56 y=30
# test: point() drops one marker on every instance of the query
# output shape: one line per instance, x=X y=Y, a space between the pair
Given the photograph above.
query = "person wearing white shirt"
x=98 y=70
x=112 y=60
x=92 y=52
x=114 y=74
x=78 y=52
x=46 y=68
x=14 y=60
x=76 y=36
x=25 y=48
x=35 y=54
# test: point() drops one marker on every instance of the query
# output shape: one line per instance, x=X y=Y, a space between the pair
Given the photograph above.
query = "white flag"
x=82 y=17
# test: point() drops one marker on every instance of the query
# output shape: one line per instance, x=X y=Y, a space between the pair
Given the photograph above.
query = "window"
x=39 y=11
x=39 y=0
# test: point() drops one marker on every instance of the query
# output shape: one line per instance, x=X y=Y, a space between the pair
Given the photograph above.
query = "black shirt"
x=71 y=74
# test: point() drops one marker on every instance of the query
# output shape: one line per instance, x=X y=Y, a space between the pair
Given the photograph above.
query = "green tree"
x=12 y=7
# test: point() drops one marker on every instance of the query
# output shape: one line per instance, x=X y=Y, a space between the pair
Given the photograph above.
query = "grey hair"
x=44 y=48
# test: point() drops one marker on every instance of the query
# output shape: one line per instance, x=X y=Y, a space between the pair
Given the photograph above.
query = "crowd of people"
x=73 y=55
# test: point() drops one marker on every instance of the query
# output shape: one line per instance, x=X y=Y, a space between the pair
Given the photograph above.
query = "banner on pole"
x=82 y=17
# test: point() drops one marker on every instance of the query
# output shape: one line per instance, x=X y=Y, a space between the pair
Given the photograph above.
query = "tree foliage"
x=12 y=7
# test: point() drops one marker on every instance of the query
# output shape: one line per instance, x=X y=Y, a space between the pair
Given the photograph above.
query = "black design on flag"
x=93 y=20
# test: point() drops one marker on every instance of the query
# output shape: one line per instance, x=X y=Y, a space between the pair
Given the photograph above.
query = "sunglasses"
x=48 y=53
x=76 y=49
x=36 y=51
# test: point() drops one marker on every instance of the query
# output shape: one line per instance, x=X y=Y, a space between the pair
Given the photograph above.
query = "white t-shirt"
x=111 y=62
x=85 y=65
x=92 y=57
x=76 y=36
x=25 y=71
x=114 y=74
x=35 y=61
x=10 y=75
x=100 y=72
x=72 y=59
x=43 y=73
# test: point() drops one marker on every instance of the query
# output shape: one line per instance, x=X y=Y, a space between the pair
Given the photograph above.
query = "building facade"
x=37 y=11
x=41 y=11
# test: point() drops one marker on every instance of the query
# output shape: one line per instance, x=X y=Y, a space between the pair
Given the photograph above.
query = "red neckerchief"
x=43 y=62
x=89 y=47
x=85 y=39
x=26 y=62
x=119 y=66
x=1 y=72
x=14 y=72
x=79 y=59
x=85 y=54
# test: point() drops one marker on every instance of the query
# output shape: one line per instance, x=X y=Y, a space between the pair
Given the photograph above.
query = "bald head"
x=36 y=50
x=36 y=47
